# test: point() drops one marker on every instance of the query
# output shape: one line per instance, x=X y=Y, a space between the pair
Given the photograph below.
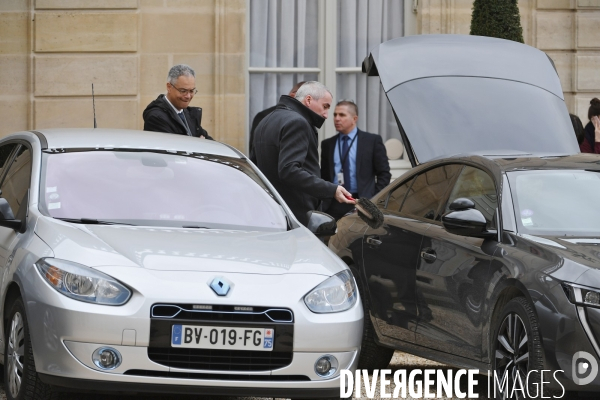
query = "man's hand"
x=596 y=122
x=343 y=196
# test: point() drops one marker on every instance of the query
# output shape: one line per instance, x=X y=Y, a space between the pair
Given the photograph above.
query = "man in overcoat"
x=286 y=150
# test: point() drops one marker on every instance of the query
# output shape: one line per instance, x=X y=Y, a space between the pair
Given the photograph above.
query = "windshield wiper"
x=92 y=221
x=195 y=227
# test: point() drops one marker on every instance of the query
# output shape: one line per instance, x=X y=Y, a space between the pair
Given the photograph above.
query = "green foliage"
x=497 y=18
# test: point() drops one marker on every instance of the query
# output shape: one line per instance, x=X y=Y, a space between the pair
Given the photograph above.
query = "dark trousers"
x=338 y=210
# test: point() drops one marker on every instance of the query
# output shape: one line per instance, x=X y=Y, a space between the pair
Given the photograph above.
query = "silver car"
x=149 y=262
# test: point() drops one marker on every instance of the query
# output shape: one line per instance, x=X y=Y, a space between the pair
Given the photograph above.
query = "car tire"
x=513 y=354
x=372 y=356
x=21 y=381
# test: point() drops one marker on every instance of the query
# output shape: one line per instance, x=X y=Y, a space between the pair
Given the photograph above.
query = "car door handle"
x=428 y=255
x=373 y=241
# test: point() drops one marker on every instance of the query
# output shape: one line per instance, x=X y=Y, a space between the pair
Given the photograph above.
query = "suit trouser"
x=338 y=210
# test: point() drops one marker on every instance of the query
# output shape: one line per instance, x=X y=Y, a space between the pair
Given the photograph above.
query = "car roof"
x=582 y=161
x=90 y=138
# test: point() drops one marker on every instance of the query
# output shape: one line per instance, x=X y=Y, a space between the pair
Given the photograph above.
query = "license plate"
x=222 y=337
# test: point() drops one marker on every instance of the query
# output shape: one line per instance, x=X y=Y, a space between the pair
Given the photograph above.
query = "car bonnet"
x=176 y=249
x=457 y=94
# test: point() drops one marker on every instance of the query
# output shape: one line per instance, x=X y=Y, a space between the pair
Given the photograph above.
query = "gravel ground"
x=400 y=361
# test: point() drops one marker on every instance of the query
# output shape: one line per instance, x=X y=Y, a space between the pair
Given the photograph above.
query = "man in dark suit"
x=171 y=113
x=353 y=158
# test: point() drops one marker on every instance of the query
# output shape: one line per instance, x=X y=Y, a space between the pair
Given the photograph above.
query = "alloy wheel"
x=512 y=355
x=16 y=354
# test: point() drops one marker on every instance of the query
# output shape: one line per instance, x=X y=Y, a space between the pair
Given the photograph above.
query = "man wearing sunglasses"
x=171 y=113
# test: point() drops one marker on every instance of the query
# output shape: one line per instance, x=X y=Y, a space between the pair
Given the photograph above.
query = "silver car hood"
x=206 y=250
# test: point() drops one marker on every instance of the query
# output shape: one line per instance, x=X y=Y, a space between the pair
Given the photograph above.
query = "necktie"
x=184 y=122
x=346 y=161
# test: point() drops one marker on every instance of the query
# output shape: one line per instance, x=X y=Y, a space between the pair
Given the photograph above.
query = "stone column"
x=14 y=65
x=230 y=62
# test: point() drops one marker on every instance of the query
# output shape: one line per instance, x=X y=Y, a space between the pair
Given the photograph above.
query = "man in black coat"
x=171 y=113
x=286 y=150
x=353 y=158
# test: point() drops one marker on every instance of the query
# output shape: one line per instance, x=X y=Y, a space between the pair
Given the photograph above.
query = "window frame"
x=444 y=197
x=20 y=143
x=327 y=69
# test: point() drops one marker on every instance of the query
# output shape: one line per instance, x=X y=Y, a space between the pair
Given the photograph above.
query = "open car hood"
x=458 y=94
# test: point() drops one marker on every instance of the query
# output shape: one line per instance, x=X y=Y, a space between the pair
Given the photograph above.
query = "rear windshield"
x=445 y=116
x=158 y=189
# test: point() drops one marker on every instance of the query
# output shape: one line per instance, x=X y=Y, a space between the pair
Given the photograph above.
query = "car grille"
x=220 y=360
x=219 y=377
x=222 y=313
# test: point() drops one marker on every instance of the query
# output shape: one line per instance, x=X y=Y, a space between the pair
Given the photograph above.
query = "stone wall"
x=567 y=30
x=14 y=65
x=124 y=47
x=51 y=51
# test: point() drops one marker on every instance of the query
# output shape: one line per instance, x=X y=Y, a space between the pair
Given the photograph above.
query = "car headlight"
x=336 y=294
x=582 y=295
x=82 y=283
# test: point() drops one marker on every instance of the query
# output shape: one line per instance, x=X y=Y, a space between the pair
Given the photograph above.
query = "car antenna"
x=94 y=106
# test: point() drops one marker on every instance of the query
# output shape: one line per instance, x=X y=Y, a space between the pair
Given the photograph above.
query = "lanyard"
x=348 y=151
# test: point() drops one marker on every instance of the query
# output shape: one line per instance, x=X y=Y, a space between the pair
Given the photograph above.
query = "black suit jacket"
x=372 y=165
x=159 y=116
x=259 y=117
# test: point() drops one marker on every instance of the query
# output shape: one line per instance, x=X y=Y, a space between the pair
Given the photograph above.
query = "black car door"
x=391 y=252
x=453 y=271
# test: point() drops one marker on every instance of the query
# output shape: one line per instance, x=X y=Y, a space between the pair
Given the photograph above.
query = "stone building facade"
x=51 y=51
x=567 y=30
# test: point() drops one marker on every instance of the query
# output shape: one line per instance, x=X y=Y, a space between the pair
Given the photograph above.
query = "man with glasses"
x=353 y=158
x=171 y=113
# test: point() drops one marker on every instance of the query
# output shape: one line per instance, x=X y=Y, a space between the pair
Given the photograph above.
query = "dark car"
x=488 y=256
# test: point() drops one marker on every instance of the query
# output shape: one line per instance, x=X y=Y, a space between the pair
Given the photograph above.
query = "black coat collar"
x=291 y=103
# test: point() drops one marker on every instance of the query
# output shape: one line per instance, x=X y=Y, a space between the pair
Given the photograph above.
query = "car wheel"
x=372 y=356
x=517 y=348
x=21 y=380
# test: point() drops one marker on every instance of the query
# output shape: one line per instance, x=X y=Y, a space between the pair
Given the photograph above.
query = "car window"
x=158 y=189
x=478 y=186
x=427 y=192
x=17 y=179
x=397 y=195
x=5 y=152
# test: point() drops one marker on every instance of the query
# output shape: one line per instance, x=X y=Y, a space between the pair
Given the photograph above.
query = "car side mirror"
x=321 y=224
x=465 y=220
x=5 y=210
x=7 y=218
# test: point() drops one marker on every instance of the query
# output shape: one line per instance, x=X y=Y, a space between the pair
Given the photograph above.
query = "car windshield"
x=157 y=189
x=556 y=202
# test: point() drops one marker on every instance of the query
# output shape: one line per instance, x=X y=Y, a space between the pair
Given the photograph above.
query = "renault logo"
x=220 y=287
